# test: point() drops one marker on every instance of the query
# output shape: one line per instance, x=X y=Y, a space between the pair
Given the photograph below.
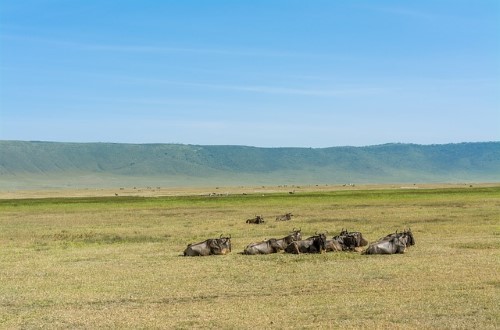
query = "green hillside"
x=52 y=164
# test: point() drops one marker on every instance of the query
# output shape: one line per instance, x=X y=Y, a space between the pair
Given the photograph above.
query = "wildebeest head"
x=409 y=236
x=296 y=235
x=320 y=242
x=343 y=232
x=224 y=244
x=360 y=240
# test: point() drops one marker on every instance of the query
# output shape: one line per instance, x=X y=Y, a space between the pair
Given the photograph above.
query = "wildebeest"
x=407 y=233
x=392 y=243
x=284 y=217
x=332 y=245
x=257 y=220
x=265 y=247
x=273 y=245
x=314 y=244
x=396 y=244
x=349 y=241
x=212 y=246
x=295 y=235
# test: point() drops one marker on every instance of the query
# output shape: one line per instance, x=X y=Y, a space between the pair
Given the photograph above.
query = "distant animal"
x=212 y=246
x=257 y=220
x=314 y=244
x=284 y=217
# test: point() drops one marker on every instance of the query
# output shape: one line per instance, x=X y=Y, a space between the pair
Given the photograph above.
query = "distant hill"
x=25 y=165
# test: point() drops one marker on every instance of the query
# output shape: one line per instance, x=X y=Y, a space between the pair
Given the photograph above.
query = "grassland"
x=114 y=261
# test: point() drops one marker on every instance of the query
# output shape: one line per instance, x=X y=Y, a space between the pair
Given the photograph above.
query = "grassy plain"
x=114 y=261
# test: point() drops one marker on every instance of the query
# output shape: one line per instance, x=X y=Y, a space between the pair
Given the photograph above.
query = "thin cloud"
x=152 y=49
x=326 y=92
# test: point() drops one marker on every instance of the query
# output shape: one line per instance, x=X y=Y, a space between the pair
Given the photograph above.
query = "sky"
x=265 y=73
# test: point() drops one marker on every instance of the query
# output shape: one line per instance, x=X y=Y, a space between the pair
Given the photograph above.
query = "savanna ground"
x=112 y=261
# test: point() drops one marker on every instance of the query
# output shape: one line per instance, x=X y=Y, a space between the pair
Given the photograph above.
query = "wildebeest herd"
x=318 y=243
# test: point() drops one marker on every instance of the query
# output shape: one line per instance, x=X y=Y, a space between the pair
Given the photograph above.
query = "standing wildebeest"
x=314 y=244
x=284 y=217
x=273 y=245
x=257 y=220
x=217 y=246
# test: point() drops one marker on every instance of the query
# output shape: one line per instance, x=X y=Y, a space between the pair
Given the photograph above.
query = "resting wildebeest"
x=257 y=220
x=273 y=245
x=314 y=244
x=407 y=233
x=392 y=243
x=284 y=217
x=332 y=245
x=211 y=246
x=295 y=235
x=264 y=247
x=396 y=244
x=350 y=240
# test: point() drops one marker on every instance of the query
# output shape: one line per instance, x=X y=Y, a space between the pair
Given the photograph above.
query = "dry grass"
x=115 y=262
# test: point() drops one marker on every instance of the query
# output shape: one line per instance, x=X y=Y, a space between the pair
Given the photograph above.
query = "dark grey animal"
x=392 y=243
x=257 y=220
x=359 y=239
x=273 y=245
x=314 y=244
x=349 y=241
x=265 y=247
x=295 y=235
x=284 y=217
x=406 y=233
x=212 y=246
x=396 y=244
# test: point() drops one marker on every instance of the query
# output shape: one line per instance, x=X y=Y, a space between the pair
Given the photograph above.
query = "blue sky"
x=263 y=73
